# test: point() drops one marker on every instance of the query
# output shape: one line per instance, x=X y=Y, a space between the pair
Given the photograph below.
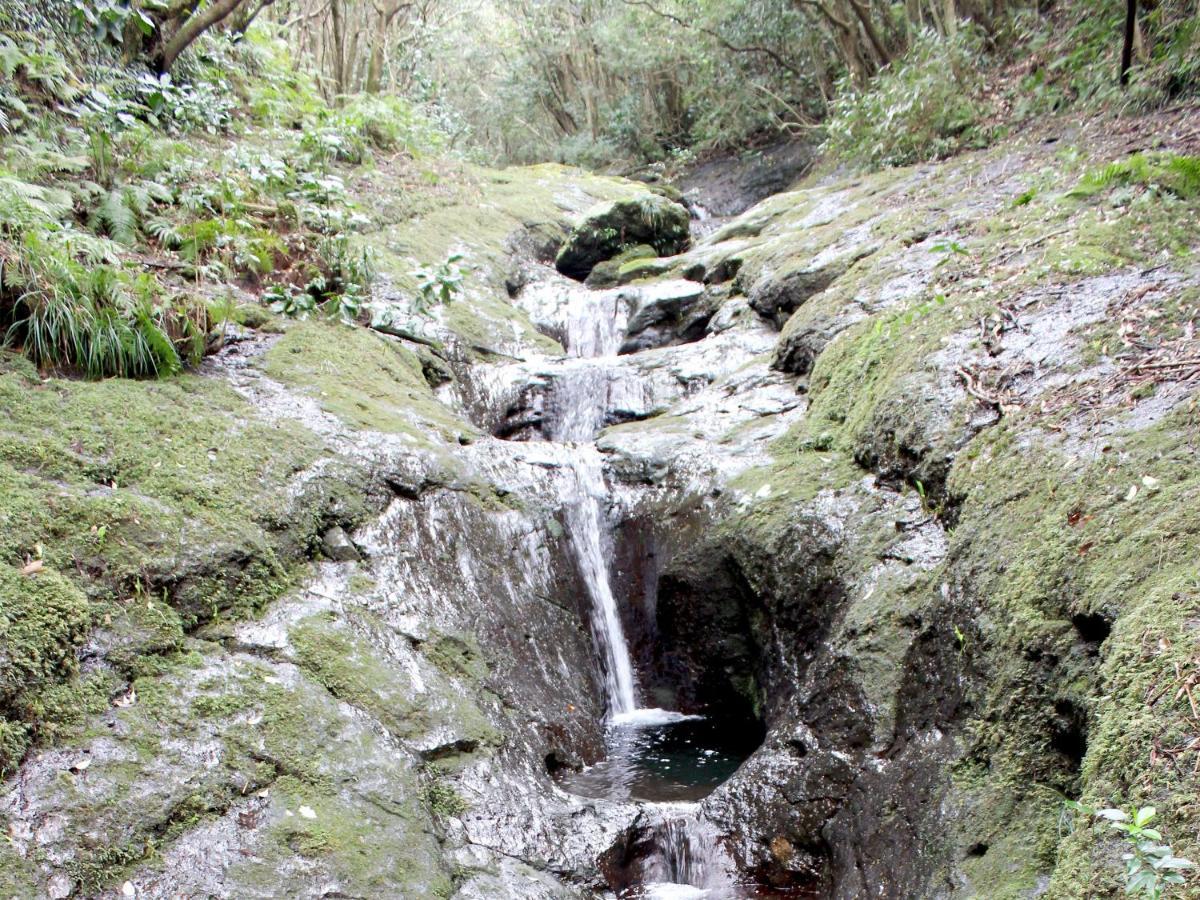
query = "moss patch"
x=364 y=379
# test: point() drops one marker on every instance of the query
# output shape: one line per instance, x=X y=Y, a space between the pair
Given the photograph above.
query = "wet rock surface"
x=606 y=231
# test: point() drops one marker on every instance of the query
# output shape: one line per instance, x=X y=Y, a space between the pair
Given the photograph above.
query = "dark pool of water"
x=667 y=762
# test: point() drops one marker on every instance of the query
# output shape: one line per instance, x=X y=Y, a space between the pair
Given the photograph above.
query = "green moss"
x=369 y=847
x=998 y=859
x=219 y=706
x=43 y=618
x=351 y=671
x=62 y=711
x=487 y=324
x=1078 y=540
x=95 y=869
x=16 y=877
x=444 y=801
x=362 y=378
x=166 y=502
x=458 y=655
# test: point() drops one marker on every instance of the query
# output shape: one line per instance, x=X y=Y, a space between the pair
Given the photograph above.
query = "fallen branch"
x=1027 y=247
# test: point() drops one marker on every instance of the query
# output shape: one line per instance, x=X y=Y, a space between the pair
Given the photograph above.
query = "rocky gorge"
x=823 y=554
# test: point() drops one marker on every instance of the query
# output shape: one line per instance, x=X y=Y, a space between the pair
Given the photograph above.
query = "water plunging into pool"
x=665 y=758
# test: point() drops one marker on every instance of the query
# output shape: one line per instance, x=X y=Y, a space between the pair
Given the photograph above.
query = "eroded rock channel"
x=734 y=573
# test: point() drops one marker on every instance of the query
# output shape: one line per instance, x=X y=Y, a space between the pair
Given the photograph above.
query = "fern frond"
x=159 y=193
x=164 y=231
x=25 y=205
x=115 y=217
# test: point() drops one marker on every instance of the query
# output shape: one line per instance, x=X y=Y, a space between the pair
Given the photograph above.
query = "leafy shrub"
x=106 y=20
x=922 y=106
x=1075 y=57
x=370 y=122
x=438 y=285
x=338 y=291
x=1151 y=868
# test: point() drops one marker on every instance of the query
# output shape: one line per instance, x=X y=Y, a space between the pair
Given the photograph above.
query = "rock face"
x=889 y=471
x=608 y=229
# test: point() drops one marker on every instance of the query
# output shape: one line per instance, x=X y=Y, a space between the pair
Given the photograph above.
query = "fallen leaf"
x=126 y=699
x=1084 y=548
x=33 y=568
x=307 y=812
x=1073 y=517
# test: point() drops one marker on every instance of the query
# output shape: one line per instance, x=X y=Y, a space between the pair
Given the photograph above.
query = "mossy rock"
x=606 y=230
x=43 y=618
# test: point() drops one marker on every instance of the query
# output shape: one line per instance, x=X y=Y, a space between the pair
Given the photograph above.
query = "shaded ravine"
x=652 y=755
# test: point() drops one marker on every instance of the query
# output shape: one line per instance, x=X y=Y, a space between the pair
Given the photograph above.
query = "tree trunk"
x=194 y=26
x=1127 y=49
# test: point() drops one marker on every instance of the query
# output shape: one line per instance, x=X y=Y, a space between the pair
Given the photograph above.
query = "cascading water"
x=687 y=859
x=587 y=538
x=655 y=756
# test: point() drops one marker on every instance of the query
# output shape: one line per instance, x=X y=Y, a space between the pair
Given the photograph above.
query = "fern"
x=12 y=57
x=1185 y=173
x=1175 y=173
x=164 y=231
x=26 y=205
x=115 y=217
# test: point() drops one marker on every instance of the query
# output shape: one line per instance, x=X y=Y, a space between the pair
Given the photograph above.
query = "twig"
x=1030 y=245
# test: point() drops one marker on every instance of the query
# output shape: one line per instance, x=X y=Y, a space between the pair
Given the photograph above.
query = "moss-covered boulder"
x=608 y=229
x=43 y=617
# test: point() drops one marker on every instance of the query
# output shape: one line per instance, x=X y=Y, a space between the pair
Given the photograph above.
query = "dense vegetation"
x=129 y=209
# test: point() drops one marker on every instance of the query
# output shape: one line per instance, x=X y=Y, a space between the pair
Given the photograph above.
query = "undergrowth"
x=923 y=106
x=133 y=205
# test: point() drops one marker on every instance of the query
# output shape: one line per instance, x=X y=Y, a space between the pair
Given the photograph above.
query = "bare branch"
x=716 y=36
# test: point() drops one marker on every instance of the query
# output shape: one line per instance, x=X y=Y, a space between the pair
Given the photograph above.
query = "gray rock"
x=336 y=545
x=607 y=229
x=777 y=295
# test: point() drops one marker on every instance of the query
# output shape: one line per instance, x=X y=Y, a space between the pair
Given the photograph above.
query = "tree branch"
x=716 y=36
x=191 y=29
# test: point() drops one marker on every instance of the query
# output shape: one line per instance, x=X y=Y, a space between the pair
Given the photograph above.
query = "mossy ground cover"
x=1070 y=573
x=145 y=507
x=365 y=379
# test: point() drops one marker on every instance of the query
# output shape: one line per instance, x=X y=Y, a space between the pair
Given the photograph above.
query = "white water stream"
x=689 y=860
x=588 y=539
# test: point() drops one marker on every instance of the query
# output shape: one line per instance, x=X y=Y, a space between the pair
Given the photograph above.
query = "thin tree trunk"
x=1127 y=49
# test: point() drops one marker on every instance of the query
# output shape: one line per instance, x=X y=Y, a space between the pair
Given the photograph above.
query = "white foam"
x=665 y=891
x=647 y=718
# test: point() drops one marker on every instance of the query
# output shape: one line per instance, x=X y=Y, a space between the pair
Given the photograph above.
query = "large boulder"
x=609 y=229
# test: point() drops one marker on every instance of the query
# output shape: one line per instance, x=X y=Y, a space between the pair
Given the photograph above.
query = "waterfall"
x=588 y=538
x=594 y=327
x=688 y=859
x=660 y=758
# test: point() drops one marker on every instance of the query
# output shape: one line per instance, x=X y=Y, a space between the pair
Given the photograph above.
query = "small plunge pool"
x=664 y=757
